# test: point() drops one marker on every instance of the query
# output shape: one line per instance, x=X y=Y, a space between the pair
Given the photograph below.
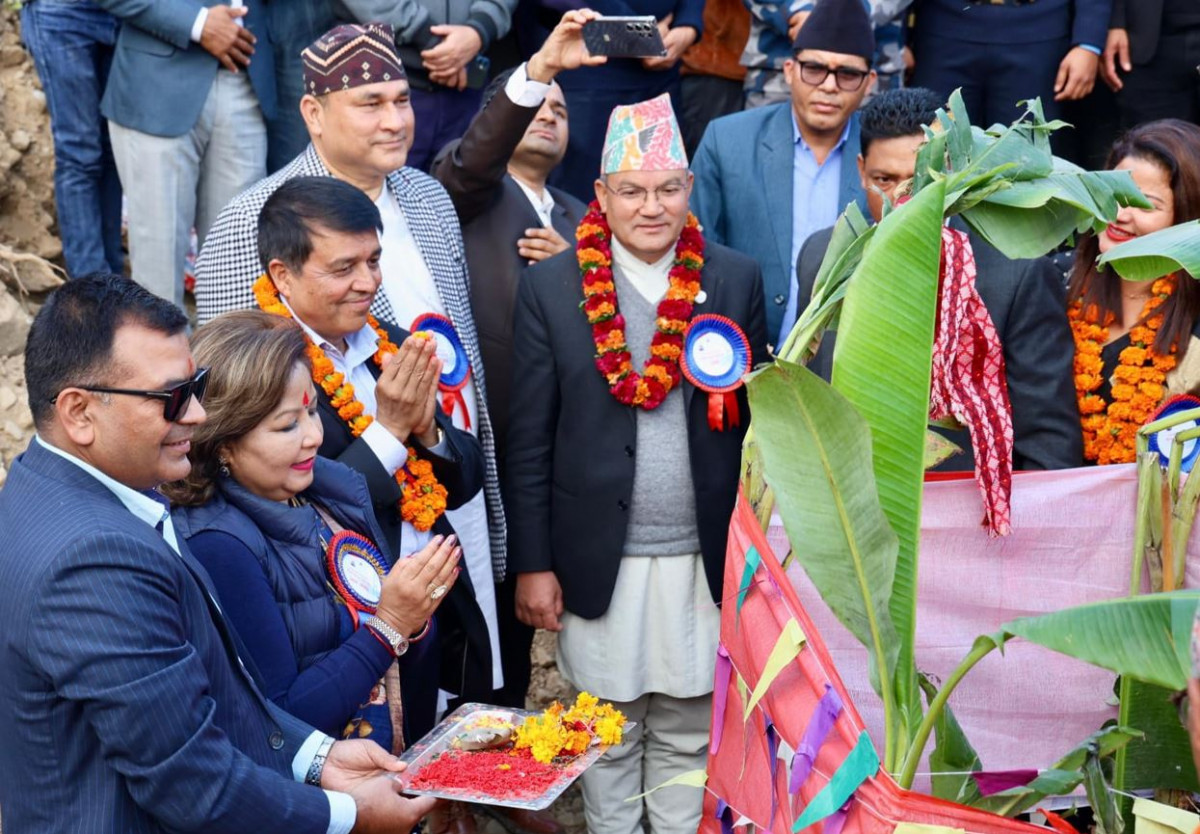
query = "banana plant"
x=844 y=463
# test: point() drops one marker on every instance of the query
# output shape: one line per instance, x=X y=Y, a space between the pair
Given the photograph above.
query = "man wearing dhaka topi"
x=623 y=453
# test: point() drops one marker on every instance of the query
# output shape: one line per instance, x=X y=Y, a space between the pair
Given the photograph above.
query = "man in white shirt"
x=119 y=676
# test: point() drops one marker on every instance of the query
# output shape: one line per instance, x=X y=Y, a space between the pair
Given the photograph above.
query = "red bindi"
x=305 y=399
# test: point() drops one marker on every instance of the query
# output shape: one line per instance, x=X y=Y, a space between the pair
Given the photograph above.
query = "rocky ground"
x=28 y=238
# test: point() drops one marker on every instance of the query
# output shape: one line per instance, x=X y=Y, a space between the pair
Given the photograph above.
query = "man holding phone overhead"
x=592 y=92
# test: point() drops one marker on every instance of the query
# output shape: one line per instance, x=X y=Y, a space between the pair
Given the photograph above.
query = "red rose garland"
x=661 y=371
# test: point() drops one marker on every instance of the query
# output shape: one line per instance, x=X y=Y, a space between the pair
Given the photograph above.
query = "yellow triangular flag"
x=791 y=639
x=918 y=828
x=691 y=779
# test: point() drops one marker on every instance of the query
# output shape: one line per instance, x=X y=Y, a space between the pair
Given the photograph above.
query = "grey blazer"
x=160 y=78
x=1028 y=306
x=124 y=706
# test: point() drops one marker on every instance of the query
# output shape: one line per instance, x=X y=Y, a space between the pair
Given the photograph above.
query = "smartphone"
x=477 y=72
x=624 y=37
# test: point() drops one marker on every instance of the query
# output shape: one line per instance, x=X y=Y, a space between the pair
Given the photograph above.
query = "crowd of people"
x=427 y=401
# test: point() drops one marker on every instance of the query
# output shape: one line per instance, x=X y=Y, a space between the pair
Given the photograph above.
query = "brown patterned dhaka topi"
x=350 y=56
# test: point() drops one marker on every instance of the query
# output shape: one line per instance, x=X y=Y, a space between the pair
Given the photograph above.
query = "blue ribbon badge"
x=356 y=570
x=716 y=355
x=456 y=366
x=1162 y=441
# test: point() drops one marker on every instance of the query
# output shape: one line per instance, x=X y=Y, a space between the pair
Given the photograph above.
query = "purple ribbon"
x=835 y=821
x=1001 y=780
x=721 y=680
x=724 y=815
x=773 y=752
x=822 y=720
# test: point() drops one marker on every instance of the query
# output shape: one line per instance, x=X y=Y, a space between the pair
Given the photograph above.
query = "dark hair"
x=71 y=339
x=250 y=355
x=894 y=113
x=1174 y=146
x=287 y=219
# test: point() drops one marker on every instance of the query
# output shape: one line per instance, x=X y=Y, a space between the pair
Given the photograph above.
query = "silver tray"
x=437 y=741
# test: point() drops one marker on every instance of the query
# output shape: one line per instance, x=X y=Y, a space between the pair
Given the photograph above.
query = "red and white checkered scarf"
x=969 y=380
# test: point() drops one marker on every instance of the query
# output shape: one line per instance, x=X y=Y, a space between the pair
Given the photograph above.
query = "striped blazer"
x=229 y=264
x=124 y=707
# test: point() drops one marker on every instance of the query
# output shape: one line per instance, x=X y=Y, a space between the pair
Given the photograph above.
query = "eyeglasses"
x=848 y=79
x=176 y=399
x=636 y=195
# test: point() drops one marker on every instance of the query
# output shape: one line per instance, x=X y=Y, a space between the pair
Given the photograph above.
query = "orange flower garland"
x=661 y=371
x=423 y=499
x=1110 y=429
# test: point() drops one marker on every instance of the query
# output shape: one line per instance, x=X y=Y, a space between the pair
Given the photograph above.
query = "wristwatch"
x=395 y=640
x=317 y=766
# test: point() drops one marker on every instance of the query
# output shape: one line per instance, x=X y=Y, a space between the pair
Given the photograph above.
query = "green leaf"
x=1157 y=254
x=1062 y=777
x=1146 y=637
x=952 y=759
x=938 y=449
x=817 y=455
x=886 y=333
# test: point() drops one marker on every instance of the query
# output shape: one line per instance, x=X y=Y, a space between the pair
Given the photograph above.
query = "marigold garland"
x=423 y=499
x=1110 y=429
x=660 y=373
x=568 y=732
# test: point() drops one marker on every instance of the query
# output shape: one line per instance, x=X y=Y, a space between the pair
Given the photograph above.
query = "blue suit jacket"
x=160 y=78
x=743 y=192
x=123 y=705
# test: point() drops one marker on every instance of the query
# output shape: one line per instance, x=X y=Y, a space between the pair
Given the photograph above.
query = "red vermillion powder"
x=504 y=775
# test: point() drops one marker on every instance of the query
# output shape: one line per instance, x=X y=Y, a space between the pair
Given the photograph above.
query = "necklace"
x=1110 y=429
x=660 y=373
x=423 y=499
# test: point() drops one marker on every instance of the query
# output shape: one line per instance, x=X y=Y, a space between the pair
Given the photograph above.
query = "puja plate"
x=440 y=739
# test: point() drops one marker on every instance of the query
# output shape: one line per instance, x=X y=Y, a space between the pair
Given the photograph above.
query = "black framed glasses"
x=176 y=399
x=848 y=79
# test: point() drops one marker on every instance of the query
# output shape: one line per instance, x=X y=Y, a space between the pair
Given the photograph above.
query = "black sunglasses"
x=176 y=399
x=848 y=79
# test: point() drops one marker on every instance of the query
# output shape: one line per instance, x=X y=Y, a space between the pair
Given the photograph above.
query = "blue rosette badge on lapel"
x=1162 y=441
x=456 y=367
x=716 y=355
x=356 y=570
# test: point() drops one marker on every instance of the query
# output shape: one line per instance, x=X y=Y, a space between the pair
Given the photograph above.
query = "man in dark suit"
x=1001 y=52
x=319 y=244
x=186 y=102
x=496 y=176
x=1155 y=43
x=620 y=510
x=1024 y=298
x=769 y=177
x=123 y=703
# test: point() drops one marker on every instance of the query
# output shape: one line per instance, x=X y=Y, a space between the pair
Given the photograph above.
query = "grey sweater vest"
x=662 y=515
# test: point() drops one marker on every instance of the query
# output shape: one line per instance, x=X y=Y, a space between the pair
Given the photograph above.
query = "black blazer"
x=462 y=632
x=1142 y=19
x=571 y=445
x=495 y=213
x=1027 y=303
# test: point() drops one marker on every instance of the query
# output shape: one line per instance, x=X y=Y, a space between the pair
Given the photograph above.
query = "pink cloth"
x=1071 y=543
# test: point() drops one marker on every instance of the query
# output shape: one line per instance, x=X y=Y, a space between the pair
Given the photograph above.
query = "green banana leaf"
x=1146 y=637
x=886 y=333
x=1158 y=253
x=952 y=759
x=1059 y=779
x=829 y=503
